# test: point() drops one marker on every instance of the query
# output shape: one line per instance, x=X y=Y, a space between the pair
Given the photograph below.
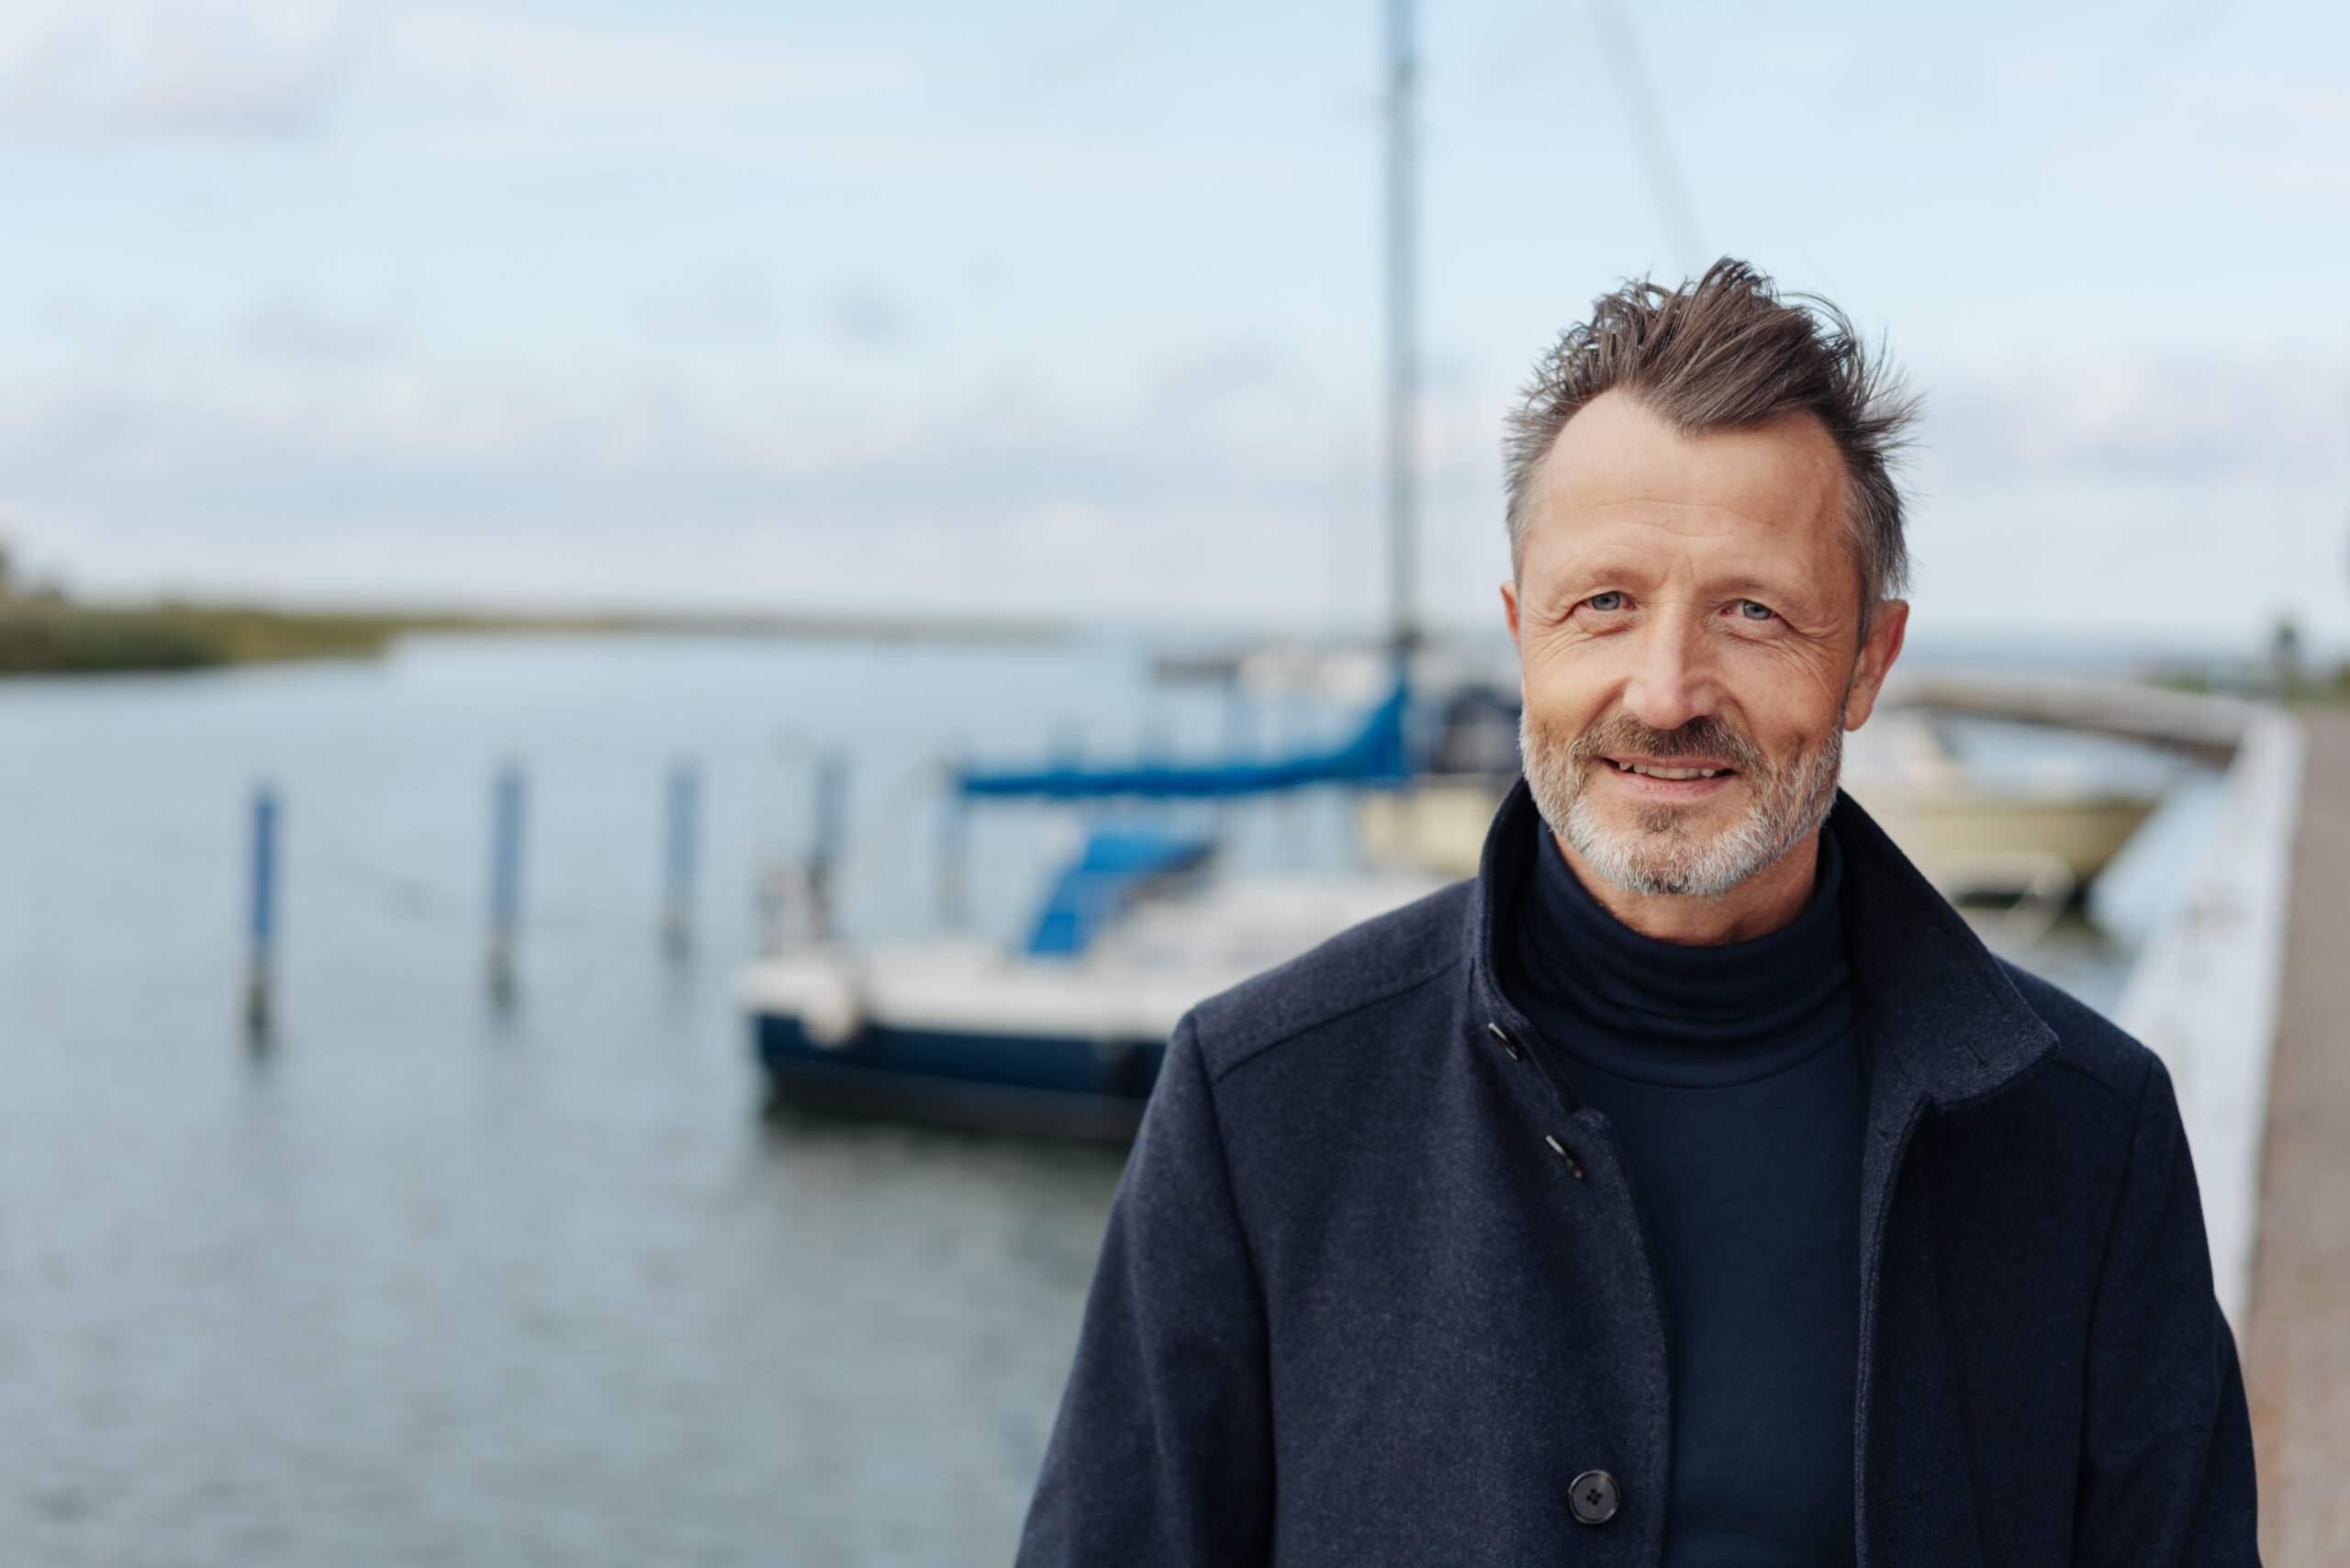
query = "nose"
x=1671 y=682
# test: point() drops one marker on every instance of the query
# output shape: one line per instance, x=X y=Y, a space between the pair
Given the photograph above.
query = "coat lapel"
x=1941 y=1027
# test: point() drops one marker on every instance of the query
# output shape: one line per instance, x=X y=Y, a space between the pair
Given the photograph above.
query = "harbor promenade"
x=2298 y=1342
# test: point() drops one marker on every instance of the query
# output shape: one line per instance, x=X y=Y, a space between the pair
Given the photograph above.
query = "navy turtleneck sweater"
x=1732 y=1079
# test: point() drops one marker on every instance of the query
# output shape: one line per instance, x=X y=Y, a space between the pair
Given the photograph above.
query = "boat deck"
x=2298 y=1342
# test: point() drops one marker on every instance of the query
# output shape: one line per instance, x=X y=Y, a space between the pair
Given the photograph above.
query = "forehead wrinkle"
x=1589 y=529
x=1749 y=561
x=1683 y=520
x=1786 y=477
x=1756 y=499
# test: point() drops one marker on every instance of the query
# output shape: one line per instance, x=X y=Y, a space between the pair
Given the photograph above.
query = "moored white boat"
x=1068 y=1042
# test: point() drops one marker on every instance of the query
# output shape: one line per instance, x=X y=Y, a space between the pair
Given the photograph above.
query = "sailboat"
x=1066 y=1033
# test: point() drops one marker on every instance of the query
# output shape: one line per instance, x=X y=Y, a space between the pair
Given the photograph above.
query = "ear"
x=1879 y=650
x=1509 y=613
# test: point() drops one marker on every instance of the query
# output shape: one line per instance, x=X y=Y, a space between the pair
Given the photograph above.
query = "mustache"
x=1709 y=735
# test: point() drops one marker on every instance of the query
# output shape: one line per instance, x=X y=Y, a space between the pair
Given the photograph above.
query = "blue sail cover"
x=1375 y=755
x=1116 y=866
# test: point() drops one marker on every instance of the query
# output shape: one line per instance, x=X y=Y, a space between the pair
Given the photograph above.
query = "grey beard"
x=1658 y=854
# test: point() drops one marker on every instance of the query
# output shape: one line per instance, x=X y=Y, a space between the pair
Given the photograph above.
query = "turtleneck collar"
x=1685 y=1016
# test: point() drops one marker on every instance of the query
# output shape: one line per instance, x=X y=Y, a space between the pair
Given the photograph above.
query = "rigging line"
x=317 y=844
x=335 y=849
x=1622 y=51
x=415 y=900
x=1402 y=324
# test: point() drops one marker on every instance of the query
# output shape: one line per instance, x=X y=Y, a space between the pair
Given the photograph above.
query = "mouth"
x=1675 y=773
x=1684 y=780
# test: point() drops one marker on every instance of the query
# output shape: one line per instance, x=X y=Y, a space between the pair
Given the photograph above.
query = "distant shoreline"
x=48 y=635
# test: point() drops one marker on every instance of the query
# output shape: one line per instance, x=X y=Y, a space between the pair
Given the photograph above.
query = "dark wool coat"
x=1354 y=1309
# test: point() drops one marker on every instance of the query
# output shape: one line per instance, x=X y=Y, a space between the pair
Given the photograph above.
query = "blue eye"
x=1752 y=611
x=1608 y=601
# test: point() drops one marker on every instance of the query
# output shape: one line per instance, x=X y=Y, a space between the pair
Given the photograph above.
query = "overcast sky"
x=1072 y=309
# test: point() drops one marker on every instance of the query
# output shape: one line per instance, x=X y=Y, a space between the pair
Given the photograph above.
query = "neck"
x=1763 y=904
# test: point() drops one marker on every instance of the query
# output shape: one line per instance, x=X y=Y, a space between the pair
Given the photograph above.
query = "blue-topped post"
x=505 y=879
x=682 y=845
x=261 y=923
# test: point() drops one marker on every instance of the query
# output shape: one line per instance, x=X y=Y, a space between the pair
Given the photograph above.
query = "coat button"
x=1592 y=1497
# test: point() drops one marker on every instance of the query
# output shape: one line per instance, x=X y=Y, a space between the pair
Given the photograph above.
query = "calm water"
x=430 y=1283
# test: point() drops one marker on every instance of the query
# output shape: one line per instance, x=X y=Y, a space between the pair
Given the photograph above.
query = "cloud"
x=529 y=82
x=1200 y=382
x=2226 y=132
x=2187 y=495
x=103 y=71
x=552 y=59
x=2139 y=421
x=729 y=313
x=865 y=315
x=536 y=83
x=289 y=328
x=1067 y=64
x=392 y=484
x=2123 y=496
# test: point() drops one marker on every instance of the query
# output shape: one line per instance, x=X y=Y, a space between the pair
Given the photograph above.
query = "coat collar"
x=1937 y=1015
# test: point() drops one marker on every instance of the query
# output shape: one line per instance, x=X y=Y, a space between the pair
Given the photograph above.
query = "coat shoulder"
x=1380 y=960
x=2088 y=1045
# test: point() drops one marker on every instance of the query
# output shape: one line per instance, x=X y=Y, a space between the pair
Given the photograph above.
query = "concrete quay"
x=2297 y=1342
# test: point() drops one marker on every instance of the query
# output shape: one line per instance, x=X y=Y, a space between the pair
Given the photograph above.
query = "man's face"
x=1687 y=615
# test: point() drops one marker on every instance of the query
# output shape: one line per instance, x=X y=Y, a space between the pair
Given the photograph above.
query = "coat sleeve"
x=1162 y=1453
x=2167 y=1475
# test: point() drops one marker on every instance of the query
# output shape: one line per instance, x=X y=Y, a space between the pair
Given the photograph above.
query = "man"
x=1691 y=1187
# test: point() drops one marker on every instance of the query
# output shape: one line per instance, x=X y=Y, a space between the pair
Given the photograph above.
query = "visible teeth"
x=1648 y=771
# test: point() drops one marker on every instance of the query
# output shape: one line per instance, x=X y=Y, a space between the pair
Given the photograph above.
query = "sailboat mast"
x=1402 y=358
